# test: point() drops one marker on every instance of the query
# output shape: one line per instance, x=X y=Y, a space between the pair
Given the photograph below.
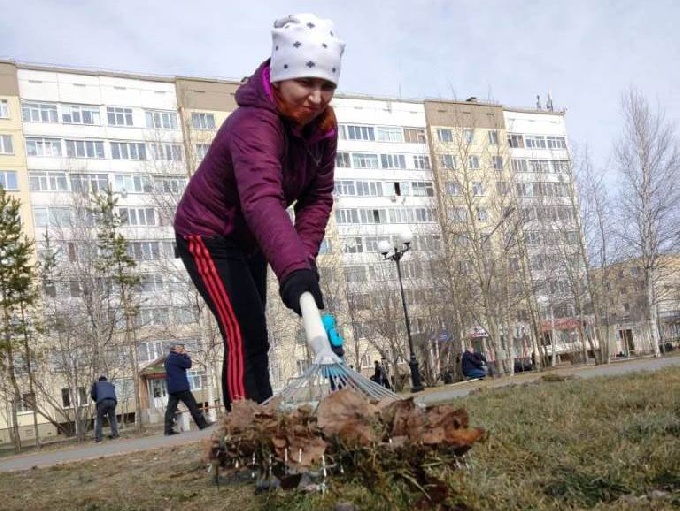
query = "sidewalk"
x=462 y=389
x=90 y=450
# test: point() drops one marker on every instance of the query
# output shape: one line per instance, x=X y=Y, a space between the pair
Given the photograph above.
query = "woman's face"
x=305 y=98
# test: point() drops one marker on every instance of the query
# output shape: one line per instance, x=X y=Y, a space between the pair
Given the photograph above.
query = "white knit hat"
x=304 y=45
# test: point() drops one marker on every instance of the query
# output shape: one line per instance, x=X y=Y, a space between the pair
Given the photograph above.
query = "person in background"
x=103 y=393
x=473 y=364
x=176 y=365
x=275 y=150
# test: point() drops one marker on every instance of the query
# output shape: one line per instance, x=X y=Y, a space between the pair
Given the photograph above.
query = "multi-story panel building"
x=452 y=173
x=541 y=169
x=13 y=175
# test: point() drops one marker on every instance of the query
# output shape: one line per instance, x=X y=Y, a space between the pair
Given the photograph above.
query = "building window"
x=88 y=183
x=421 y=162
x=497 y=162
x=4 y=109
x=342 y=160
x=447 y=161
x=201 y=151
x=80 y=114
x=132 y=183
x=167 y=152
x=422 y=189
x=502 y=188
x=395 y=135
x=52 y=217
x=118 y=116
x=137 y=216
x=8 y=180
x=493 y=137
x=473 y=162
x=519 y=165
x=353 y=245
x=482 y=214
x=173 y=185
x=360 y=133
x=556 y=143
x=39 y=112
x=152 y=283
x=161 y=120
x=516 y=141
x=415 y=136
x=128 y=151
x=458 y=214
x=444 y=135
x=85 y=149
x=201 y=121
x=477 y=188
x=25 y=403
x=43 y=147
x=452 y=188
x=144 y=250
x=365 y=161
x=393 y=161
x=66 y=397
x=535 y=142
x=6 y=146
x=468 y=135
x=47 y=181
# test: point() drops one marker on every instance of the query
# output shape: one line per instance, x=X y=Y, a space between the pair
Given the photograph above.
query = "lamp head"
x=406 y=237
x=384 y=247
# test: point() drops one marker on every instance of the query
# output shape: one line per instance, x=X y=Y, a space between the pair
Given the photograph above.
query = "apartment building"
x=541 y=170
x=449 y=172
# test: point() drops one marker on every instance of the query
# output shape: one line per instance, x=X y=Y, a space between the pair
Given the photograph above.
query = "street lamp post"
x=395 y=254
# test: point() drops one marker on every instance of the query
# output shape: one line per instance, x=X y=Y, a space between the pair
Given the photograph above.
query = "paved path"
x=619 y=367
x=121 y=446
x=92 y=450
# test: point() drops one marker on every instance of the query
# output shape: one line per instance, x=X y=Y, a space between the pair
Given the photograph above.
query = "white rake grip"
x=317 y=339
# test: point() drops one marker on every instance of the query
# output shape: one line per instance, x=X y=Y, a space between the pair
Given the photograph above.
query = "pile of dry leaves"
x=346 y=435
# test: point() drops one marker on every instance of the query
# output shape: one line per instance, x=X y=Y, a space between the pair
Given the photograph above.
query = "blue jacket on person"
x=471 y=362
x=101 y=390
x=176 y=366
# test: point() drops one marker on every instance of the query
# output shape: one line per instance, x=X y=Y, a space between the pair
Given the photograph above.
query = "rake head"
x=321 y=379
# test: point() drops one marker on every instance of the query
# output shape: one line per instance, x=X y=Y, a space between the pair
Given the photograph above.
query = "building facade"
x=454 y=174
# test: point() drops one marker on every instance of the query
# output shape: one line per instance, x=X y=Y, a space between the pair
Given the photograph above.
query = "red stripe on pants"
x=225 y=315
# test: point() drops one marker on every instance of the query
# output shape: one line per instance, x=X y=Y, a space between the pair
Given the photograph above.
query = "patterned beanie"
x=304 y=45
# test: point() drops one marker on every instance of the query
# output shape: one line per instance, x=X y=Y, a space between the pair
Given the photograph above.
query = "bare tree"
x=648 y=161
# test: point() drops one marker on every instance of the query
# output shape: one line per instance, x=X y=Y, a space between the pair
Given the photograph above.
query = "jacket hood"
x=257 y=90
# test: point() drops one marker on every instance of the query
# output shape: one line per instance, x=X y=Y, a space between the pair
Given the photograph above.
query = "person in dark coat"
x=276 y=149
x=176 y=365
x=473 y=365
x=103 y=393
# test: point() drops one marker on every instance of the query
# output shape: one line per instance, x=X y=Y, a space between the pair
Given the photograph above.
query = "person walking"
x=103 y=393
x=275 y=150
x=176 y=365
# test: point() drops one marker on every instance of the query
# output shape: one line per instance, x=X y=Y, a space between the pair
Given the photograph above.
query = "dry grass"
x=605 y=444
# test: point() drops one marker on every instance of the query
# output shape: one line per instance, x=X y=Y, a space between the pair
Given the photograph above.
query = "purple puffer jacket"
x=258 y=165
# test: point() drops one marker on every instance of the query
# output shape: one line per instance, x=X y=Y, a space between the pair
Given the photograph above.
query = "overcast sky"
x=585 y=51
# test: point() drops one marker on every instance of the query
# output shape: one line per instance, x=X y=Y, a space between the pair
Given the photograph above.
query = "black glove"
x=338 y=351
x=295 y=284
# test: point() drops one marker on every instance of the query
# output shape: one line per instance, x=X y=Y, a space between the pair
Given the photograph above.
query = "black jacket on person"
x=176 y=366
x=103 y=390
x=471 y=361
